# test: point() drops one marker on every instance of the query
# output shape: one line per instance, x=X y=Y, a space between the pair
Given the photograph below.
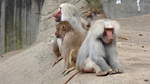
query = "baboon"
x=99 y=49
x=70 y=13
x=71 y=42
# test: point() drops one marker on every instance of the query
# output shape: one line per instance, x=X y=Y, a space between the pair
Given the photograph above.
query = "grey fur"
x=104 y=55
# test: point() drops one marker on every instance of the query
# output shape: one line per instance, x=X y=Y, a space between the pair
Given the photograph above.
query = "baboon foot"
x=116 y=71
x=102 y=73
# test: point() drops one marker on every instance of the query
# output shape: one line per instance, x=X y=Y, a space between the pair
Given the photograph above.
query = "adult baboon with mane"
x=99 y=49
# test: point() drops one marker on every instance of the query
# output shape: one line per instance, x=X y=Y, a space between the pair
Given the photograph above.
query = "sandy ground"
x=33 y=65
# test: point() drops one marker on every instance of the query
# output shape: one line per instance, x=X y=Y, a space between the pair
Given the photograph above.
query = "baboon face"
x=57 y=15
x=62 y=28
x=107 y=36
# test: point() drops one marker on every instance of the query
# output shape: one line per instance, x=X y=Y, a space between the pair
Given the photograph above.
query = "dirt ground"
x=33 y=65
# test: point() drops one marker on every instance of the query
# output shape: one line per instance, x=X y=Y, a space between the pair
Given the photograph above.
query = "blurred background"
x=19 y=19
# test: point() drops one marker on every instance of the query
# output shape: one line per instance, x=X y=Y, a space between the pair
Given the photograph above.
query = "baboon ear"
x=64 y=28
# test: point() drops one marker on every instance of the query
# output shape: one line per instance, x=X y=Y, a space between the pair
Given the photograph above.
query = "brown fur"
x=62 y=28
x=71 y=42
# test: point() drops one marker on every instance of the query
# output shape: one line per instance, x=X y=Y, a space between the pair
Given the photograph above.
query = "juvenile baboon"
x=99 y=49
x=71 y=42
